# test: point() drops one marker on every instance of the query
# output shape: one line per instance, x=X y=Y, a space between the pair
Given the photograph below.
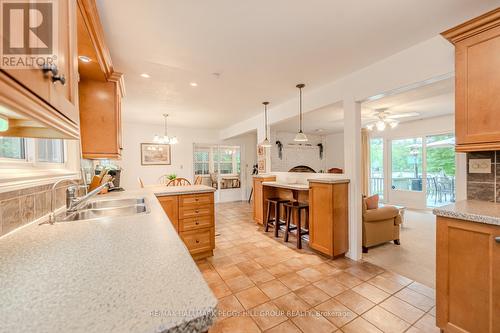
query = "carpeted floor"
x=415 y=258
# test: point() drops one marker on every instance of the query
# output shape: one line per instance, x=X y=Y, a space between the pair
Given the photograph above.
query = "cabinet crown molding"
x=473 y=27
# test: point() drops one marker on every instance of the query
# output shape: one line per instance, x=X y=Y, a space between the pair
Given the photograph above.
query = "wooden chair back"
x=198 y=180
x=179 y=182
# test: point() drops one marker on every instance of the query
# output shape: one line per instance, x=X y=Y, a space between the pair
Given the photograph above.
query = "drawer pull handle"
x=196 y=222
x=197 y=241
x=197 y=211
x=497 y=239
x=196 y=199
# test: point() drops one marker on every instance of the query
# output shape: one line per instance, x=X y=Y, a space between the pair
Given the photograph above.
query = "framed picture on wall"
x=155 y=154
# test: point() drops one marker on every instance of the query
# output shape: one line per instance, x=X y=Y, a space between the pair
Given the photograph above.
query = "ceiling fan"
x=385 y=118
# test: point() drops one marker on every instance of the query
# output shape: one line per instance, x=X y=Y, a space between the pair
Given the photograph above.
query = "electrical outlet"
x=480 y=165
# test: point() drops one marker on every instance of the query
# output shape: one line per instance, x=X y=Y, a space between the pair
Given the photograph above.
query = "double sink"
x=102 y=209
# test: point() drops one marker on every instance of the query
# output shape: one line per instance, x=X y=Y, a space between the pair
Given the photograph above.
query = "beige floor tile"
x=274 y=289
x=260 y=276
x=385 y=321
x=423 y=289
x=427 y=324
x=355 y=301
x=388 y=285
x=310 y=274
x=220 y=290
x=286 y=327
x=402 y=309
x=279 y=270
x=416 y=299
x=267 y=260
x=397 y=278
x=432 y=311
x=371 y=292
x=295 y=264
x=249 y=266
x=251 y=297
x=361 y=273
x=239 y=325
x=311 y=259
x=293 y=281
x=239 y=283
x=325 y=269
x=347 y=279
x=267 y=315
x=336 y=312
x=312 y=295
x=229 y=272
x=360 y=325
x=314 y=322
x=292 y=304
x=331 y=286
x=229 y=306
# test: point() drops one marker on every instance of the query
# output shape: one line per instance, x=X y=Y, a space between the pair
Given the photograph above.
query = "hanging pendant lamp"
x=165 y=139
x=266 y=142
x=300 y=137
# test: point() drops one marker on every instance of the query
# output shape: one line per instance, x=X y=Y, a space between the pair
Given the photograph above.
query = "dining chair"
x=163 y=180
x=179 y=182
x=198 y=180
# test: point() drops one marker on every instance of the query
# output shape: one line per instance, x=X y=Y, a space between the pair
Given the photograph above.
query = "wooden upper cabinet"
x=101 y=89
x=477 y=82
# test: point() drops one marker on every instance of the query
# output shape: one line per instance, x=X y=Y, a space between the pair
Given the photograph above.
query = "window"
x=407 y=164
x=377 y=167
x=201 y=162
x=50 y=150
x=226 y=161
x=13 y=148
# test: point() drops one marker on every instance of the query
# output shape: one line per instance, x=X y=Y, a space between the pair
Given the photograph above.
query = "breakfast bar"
x=323 y=211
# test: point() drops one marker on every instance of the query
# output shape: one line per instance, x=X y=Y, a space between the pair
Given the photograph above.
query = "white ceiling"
x=261 y=49
x=432 y=100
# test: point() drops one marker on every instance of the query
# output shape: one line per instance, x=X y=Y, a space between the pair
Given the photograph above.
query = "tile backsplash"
x=23 y=206
x=484 y=186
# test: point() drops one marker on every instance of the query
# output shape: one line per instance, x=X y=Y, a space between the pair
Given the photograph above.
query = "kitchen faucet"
x=72 y=201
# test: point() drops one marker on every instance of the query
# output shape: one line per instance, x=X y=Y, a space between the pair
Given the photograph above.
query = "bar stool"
x=294 y=209
x=276 y=223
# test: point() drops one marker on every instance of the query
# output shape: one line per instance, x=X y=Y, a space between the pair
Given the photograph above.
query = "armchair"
x=380 y=225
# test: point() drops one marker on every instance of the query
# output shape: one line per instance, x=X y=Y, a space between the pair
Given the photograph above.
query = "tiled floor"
x=264 y=285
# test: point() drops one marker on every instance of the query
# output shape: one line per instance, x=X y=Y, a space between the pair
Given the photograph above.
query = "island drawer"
x=189 y=200
x=195 y=211
x=200 y=240
x=193 y=223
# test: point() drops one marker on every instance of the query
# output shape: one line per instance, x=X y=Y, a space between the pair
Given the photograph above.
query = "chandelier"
x=165 y=139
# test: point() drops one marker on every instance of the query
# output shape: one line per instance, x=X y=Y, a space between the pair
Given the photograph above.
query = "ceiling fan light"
x=393 y=124
x=380 y=125
x=300 y=137
x=266 y=143
x=370 y=126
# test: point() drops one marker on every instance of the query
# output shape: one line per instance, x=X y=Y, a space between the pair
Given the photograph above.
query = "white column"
x=352 y=164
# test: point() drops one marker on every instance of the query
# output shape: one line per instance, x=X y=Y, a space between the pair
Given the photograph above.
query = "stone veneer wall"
x=484 y=186
x=20 y=207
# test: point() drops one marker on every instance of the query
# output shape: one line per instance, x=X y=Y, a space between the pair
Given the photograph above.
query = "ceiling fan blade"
x=403 y=115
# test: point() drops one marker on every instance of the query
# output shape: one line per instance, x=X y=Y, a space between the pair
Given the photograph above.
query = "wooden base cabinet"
x=259 y=205
x=467 y=276
x=329 y=218
x=193 y=217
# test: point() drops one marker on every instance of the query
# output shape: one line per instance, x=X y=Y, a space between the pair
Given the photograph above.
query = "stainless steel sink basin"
x=113 y=203
x=91 y=214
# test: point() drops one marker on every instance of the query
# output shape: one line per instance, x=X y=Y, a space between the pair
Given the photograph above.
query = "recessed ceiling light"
x=193 y=84
x=145 y=75
x=84 y=58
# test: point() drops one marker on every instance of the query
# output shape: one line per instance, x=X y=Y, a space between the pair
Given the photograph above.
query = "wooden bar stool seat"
x=293 y=212
x=274 y=222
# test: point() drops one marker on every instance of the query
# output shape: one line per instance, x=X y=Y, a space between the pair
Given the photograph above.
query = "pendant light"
x=266 y=142
x=300 y=137
x=165 y=139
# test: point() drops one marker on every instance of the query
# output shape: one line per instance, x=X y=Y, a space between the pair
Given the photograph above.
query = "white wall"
x=334 y=151
x=182 y=156
x=294 y=155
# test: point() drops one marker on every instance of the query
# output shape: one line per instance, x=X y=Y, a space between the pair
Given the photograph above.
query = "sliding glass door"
x=376 y=177
x=441 y=168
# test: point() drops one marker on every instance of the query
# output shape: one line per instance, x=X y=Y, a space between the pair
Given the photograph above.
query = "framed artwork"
x=155 y=154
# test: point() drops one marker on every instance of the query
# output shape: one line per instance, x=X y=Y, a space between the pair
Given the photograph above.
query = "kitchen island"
x=468 y=267
x=328 y=208
x=122 y=274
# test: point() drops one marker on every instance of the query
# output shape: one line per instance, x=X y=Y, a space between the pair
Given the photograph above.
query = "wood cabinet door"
x=477 y=63
x=320 y=218
x=257 y=201
x=64 y=97
x=170 y=205
x=467 y=297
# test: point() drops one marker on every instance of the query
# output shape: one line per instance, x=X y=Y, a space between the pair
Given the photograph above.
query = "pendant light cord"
x=265 y=112
x=166 y=132
x=300 y=108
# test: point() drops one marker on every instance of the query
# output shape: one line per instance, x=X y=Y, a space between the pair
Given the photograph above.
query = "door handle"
x=59 y=78
x=497 y=239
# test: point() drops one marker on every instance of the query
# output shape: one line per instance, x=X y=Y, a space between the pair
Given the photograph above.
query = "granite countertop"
x=123 y=274
x=291 y=186
x=163 y=190
x=471 y=210
x=329 y=180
